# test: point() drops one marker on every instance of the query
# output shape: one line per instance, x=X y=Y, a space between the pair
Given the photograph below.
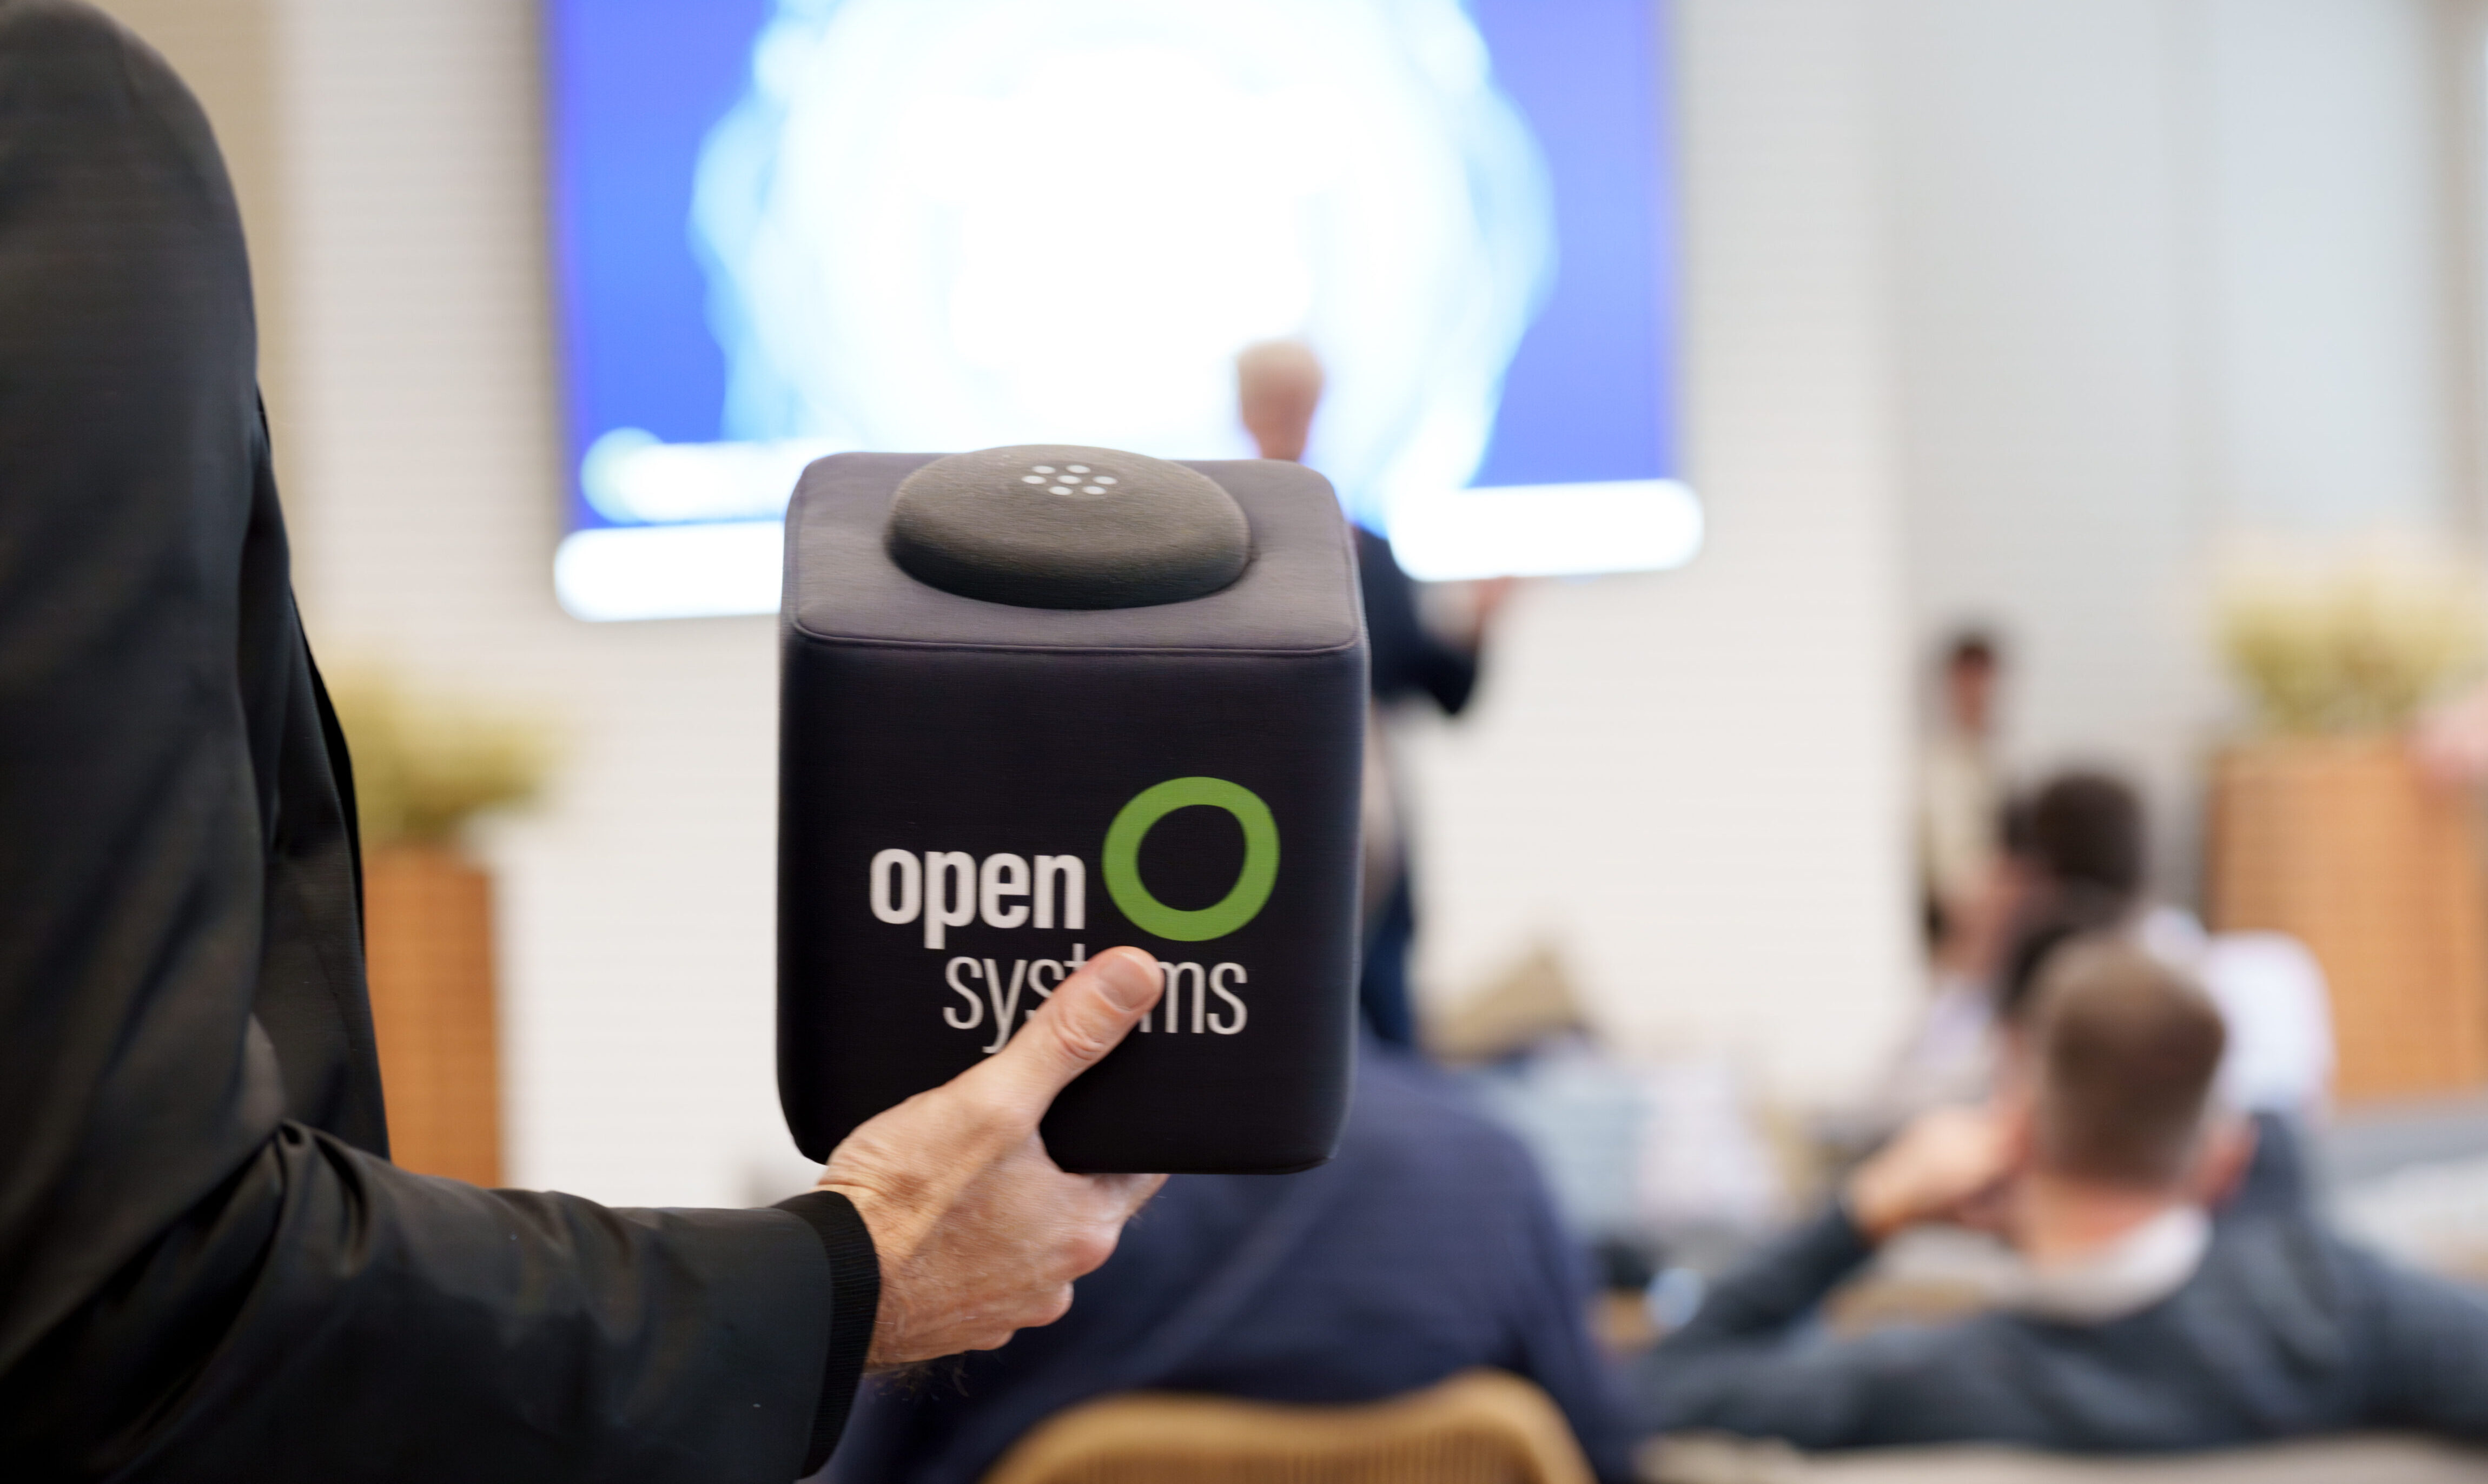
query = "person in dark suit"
x=209 y=1269
x=1428 y=1247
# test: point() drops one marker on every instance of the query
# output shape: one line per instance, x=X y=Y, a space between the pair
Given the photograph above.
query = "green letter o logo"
x=1253 y=883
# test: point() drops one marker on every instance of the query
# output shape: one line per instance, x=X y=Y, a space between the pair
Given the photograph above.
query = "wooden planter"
x=2343 y=845
x=428 y=947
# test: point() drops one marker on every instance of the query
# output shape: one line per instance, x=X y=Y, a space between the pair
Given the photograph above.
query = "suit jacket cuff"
x=855 y=1286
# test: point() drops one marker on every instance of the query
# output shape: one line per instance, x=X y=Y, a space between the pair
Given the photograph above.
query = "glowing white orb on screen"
x=946 y=224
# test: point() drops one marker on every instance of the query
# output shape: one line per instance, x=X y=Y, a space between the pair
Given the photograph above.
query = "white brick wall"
x=2164 y=268
x=1693 y=783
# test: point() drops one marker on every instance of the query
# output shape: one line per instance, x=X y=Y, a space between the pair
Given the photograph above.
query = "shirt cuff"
x=855 y=1287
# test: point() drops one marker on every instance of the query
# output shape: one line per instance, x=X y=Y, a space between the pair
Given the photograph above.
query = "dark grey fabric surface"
x=915 y=722
x=1016 y=525
x=840 y=583
x=2285 y=1330
x=208 y=1268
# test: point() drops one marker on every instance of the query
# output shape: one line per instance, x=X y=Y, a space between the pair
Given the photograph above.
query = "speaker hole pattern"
x=1069 y=478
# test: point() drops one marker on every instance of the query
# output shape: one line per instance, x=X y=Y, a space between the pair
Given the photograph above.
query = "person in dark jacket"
x=1426 y=1247
x=2137 y=1323
x=1279 y=388
x=209 y=1269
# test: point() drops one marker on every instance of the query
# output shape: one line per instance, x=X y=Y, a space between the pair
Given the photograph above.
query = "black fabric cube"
x=974 y=795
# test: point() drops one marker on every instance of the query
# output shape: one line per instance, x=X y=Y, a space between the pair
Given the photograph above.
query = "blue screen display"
x=787 y=228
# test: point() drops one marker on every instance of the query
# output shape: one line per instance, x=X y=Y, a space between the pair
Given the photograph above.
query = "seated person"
x=2137 y=1324
x=1426 y=1247
x=2085 y=834
x=2076 y=866
x=2268 y=1071
x=2071 y=860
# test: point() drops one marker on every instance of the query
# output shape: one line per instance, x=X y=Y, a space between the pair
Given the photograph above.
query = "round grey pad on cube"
x=1052 y=525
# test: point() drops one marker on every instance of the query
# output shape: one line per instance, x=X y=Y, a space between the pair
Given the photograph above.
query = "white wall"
x=2163 y=269
x=2330 y=322
x=2048 y=407
x=1693 y=783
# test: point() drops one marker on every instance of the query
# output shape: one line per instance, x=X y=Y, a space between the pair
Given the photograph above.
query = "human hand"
x=979 y=1232
x=1948 y=1166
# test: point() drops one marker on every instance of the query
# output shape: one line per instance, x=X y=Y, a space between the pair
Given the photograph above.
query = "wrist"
x=893 y=1234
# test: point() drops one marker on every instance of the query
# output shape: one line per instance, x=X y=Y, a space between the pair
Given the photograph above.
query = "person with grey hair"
x=1278 y=390
x=2135 y=1322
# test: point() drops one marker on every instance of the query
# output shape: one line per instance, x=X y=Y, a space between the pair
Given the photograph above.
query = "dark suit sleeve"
x=1734 y=1367
x=1407 y=658
x=855 y=1268
x=206 y=1270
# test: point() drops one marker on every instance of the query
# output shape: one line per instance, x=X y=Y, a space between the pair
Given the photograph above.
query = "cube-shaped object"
x=1148 y=730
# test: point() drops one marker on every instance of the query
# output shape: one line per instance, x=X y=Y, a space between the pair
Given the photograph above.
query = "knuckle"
x=1082 y=1037
x=983 y=1107
x=1089 y=1250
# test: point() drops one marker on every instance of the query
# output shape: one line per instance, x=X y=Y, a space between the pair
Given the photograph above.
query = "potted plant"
x=427 y=762
x=2322 y=826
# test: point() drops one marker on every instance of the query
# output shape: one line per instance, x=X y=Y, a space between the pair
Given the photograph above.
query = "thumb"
x=1087 y=1017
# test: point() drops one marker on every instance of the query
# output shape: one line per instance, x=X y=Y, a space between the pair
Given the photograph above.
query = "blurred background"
x=2140 y=339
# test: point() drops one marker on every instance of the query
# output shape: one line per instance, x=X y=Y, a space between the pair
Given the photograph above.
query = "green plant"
x=2347 y=639
x=428 y=761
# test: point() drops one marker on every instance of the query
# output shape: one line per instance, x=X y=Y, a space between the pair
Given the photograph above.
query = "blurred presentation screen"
x=790 y=229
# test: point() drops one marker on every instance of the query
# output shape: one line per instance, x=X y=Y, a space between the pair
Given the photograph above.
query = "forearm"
x=1734 y=1367
x=2431 y=1344
x=1781 y=1286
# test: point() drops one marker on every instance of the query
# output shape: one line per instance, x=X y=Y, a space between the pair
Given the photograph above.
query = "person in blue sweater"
x=2137 y=1322
x=1428 y=1246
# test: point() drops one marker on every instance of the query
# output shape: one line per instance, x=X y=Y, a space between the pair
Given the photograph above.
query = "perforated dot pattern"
x=1066 y=527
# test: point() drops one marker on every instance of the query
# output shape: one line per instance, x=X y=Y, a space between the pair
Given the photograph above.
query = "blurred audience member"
x=2047 y=882
x=1427 y=1246
x=1279 y=387
x=2076 y=862
x=2066 y=860
x=2080 y=842
x=1949 y=1055
x=2087 y=840
x=1961 y=795
x=2134 y=1323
